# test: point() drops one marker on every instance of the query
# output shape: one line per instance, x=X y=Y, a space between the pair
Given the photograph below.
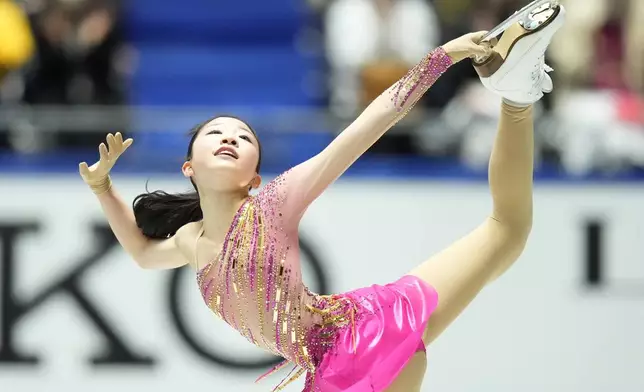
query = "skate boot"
x=516 y=69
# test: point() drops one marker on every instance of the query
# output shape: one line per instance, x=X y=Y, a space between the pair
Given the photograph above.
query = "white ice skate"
x=516 y=70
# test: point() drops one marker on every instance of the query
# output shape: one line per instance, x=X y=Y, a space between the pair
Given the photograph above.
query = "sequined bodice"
x=255 y=284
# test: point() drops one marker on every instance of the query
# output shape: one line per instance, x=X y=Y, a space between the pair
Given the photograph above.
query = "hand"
x=97 y=175
x=468 y=45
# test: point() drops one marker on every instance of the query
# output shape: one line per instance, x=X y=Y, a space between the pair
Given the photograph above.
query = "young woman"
x=245 y=248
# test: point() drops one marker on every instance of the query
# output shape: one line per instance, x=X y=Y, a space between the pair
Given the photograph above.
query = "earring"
x=251 y=184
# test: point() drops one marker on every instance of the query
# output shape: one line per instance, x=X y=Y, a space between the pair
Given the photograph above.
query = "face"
x=225 y=154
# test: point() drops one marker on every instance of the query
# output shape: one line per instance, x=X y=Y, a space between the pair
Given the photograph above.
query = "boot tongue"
x=545 y=81
x=547 y=85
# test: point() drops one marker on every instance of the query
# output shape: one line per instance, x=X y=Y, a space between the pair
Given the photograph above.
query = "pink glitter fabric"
x=357 y=341
x=420 y=78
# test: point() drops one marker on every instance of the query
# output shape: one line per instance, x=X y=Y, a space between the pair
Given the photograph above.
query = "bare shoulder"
x=185 y=239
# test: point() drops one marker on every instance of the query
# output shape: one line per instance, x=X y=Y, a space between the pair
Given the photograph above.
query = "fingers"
x=115 y=146
x=477 y=36
x=124 y=144
x=108 y=155
x=127 y=143
x=477 y=47
x=111 y=142
x=102 y=150
x=489 y=44
x=481 y=50
x=83 y=169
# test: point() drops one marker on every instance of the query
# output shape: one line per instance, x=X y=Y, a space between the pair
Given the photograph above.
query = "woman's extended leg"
x=411 y=378
x=462 y=270
x=459 y=272
x=516 y=71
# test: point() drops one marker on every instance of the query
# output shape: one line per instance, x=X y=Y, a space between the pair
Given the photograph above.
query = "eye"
x=214 y=132
x=245 y=138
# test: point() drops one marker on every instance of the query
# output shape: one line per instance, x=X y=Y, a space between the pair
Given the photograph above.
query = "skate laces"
x=541 y=69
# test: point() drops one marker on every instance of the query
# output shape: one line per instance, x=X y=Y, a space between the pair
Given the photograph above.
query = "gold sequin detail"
x=256 y=287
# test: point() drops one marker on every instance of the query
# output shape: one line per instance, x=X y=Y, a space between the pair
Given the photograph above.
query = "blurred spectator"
x=462 y=16
x=16 y=40
x=79 y=43
x=79 y=60
x=371 y=43
x=601 y=45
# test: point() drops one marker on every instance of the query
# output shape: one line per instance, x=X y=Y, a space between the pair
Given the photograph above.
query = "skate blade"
x=518 y=16
x=487 y=67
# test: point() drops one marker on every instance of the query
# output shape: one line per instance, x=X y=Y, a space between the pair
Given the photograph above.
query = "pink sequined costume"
x=357 y=341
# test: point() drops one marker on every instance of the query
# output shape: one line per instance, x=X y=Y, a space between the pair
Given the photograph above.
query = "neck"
x=219 y=209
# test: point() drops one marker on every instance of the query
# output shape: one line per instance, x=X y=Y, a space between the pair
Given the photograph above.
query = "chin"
x=224 y=178
x=220 y=186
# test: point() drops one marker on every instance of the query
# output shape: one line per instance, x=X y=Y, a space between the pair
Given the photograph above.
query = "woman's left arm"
x=313 y=176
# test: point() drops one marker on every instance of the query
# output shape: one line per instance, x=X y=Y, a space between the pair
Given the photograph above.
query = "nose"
x=229 y=140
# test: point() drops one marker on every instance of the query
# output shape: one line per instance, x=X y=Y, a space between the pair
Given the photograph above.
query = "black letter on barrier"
x=13 y=309
x=594 y=254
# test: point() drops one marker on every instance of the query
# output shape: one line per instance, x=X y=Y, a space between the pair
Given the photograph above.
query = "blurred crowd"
x=70 y=48
x=68 y=52
x=74 y=52
x=601 y=45
x=592 y=122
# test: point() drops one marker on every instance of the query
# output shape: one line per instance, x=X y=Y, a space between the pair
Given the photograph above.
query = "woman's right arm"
x=148 y=253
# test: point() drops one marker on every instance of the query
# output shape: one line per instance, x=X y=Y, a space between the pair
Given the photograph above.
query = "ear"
x=186 y=169
x=257 y=181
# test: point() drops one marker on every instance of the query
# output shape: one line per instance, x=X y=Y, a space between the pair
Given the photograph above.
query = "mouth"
x=227 y=151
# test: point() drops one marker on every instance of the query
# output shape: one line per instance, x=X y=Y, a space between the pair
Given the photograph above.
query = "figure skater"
x=245 y=248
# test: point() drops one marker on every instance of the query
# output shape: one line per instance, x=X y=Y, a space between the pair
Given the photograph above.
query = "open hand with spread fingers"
x=97 y=176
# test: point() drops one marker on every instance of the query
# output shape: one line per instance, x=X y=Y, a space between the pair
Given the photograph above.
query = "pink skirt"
x=389 y=326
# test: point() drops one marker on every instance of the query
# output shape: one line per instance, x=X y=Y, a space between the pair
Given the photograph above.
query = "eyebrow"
x=240 y=128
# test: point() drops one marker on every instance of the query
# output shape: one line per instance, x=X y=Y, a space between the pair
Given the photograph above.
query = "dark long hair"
x=160 y=214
